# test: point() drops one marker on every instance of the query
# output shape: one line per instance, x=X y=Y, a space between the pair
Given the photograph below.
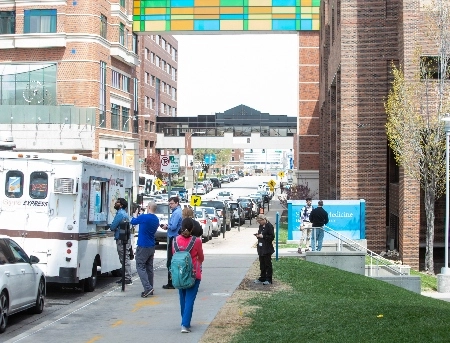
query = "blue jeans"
x=317 y=235
x=144 y=266
x=187 y=298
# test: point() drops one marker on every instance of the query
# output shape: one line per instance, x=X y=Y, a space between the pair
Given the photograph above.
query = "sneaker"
x=168 y=286
x=145 y=294
x=267 y=283
x=257 y=281
x=128 y=282
x=184 y=329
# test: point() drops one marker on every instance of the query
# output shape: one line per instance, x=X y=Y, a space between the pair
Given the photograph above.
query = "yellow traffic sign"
x=271 y=189
x=201 y=175
x=271 y=183
x=158 y=183
x=196 y=200
x=281 y=174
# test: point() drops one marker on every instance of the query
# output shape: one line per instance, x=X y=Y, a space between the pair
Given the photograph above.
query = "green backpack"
x=181 y=267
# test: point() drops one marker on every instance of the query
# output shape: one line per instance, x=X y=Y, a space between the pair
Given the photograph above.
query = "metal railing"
x=380 y=261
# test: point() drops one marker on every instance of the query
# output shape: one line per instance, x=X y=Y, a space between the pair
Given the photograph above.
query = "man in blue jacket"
x=173 y=228
x=120 y=206
x=145 y=251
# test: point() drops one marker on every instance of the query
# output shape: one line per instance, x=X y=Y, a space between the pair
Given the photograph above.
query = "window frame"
x=40 y=174
x=13 y=173
x=29 y=14
x=7 y=21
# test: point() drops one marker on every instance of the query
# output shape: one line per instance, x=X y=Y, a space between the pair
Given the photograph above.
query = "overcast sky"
x=219 y=72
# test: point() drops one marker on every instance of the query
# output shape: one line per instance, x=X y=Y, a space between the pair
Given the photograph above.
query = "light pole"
x=445 y=270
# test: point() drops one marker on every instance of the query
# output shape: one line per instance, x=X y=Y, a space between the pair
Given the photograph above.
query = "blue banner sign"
x=345 y=216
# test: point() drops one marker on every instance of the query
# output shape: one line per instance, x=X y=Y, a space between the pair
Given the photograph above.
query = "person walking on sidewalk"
x=173 y=228
x=145 y=251
x=305 y=226
x=188 y=295
x=120 y=206
x=318 y=218
x=265 y=249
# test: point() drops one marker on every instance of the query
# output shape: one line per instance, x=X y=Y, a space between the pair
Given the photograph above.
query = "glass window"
x=20 y=256
x=7 y=22
x=14 y=184
x=102 y=104
x=39 y=21
x=114 y=117
x=135 y=44
x=122 y=34
x=146 y=125
x=115 y=79
x=125 y=83
x=38 y=185
x=103 y=26
x=125 y=119
x=147 y=77
x=122 y=3
x=5 y=253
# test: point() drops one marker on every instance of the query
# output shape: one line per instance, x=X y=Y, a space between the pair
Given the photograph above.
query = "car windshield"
x=215 y=204
x=162 y=209
x=210 y=210
x=224 y=194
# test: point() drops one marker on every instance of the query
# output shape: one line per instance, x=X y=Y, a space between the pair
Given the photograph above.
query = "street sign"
x=209 y=159
x=281 y=174
x=170 y=163
x=196 y=200
x=271 y=183
x=201 y=175
x=158 y=183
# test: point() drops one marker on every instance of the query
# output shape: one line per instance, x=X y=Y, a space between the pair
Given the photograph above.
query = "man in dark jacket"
x=265 y=249
x=318 y=218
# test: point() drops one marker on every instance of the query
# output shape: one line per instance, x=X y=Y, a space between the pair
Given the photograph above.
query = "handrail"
x=355 y=245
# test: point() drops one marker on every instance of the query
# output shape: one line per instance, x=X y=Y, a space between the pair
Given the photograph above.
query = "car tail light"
x=203 y=221
x=214 y=220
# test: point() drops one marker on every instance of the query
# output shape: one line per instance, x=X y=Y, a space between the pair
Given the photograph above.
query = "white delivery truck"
x=57 y=207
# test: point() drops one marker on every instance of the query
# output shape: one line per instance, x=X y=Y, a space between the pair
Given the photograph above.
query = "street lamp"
x=123 y=129
x=445 y=270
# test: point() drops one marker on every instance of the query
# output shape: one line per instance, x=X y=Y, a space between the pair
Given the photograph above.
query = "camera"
x=161 y=225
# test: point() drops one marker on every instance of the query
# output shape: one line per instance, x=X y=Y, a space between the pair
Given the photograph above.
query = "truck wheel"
x=91 y=282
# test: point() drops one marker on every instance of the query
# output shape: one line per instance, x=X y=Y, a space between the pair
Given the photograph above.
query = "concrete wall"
x=345 y=260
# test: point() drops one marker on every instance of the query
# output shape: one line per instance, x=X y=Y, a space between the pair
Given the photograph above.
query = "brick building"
x=358 y=43
x=76 y=79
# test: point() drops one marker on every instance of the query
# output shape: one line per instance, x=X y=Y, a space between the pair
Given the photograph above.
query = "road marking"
x=117 y=323
x=95 y=339
x=144 y=303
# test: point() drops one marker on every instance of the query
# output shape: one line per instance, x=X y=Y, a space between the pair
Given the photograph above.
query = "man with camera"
x=145 y=251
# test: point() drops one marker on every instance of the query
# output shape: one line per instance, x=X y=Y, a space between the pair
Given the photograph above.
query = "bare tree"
x=153 y=165
x=414 y=126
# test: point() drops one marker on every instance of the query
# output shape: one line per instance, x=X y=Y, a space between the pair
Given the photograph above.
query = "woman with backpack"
x=188 y=295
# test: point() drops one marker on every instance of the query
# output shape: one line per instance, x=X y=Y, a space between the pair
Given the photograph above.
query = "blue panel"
x=232 y=16
x=283 y=24
x=204 y=25
x=306 y=24
x=156 y=17
x=182 y=3
x=284 y=3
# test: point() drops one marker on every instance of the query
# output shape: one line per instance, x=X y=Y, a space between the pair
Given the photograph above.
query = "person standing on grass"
x=265 y=235
x=318 y=218
x=187 y=296
x=145 y=251
x=173 y=228
x=305 y=226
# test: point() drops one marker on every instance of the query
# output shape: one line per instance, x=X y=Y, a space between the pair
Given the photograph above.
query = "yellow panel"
x=136 y=26
x=206 y=16
x=283 y=16
x=306 y=10
x=156 y=25
x=306 y=16
x=136 y=11
x=181 y=25
x=207 y=3
x=231 y=25
x=316 y=10
x=260 y=10
x=283 y=10
x=255 y=25
x=184 y=10
x=259 y=16
x=231 y=10
x=316 y=25
x=316 y=16
x=206 y=10
x=149 y=10
x=306 y=3
x=260 y=3
x=182 y=17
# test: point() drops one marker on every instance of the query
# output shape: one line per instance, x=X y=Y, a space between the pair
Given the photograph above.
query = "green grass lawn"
x=331 y=305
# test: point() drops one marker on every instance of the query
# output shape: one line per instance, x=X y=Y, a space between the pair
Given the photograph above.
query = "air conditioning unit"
x=65 y=186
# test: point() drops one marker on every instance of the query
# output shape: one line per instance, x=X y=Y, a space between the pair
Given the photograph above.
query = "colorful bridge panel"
x=225 y=15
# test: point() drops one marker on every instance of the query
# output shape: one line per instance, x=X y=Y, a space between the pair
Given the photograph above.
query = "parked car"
x=202 y=217
x=240 y=173
x=238 y=213
x=208 y=185
x=247 y=205
x=162 y=212
x=216 y=221
x=198 y=189
x=215 y=182
x=22 y=282
x=219 y=206
x=225 y=179
x=224 y=195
